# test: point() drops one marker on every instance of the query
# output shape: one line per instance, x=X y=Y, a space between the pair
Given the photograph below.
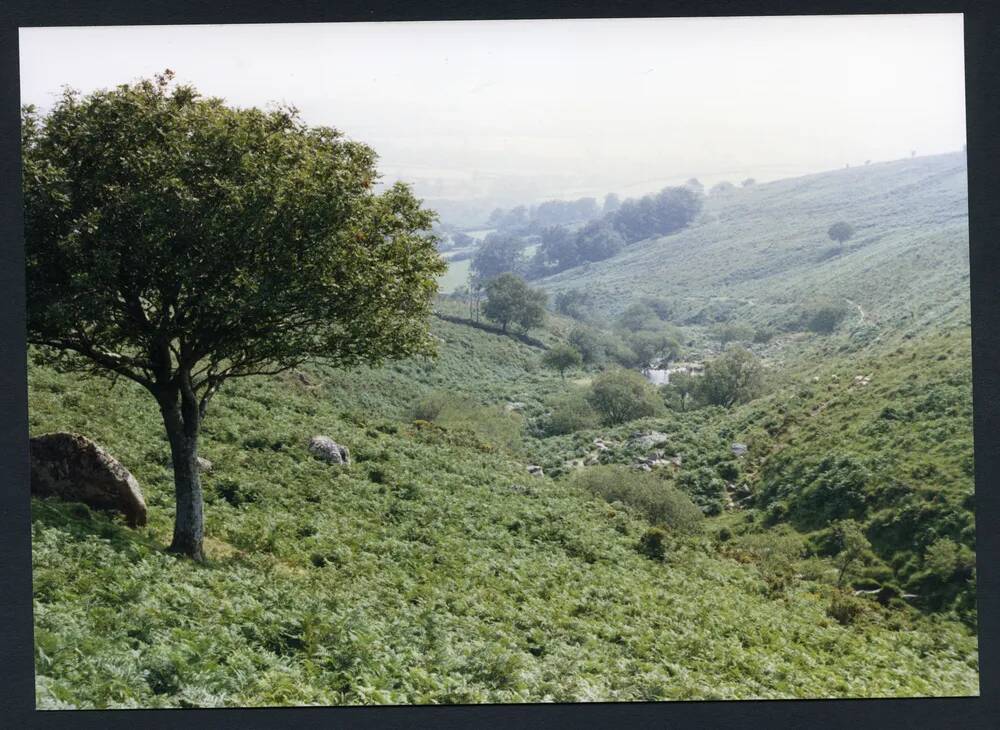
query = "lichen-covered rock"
x=739 y=449
x=535 y=470
x=73 y=468
x=326 y=449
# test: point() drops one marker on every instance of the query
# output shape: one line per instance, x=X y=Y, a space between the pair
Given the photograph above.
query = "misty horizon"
x=515 y=112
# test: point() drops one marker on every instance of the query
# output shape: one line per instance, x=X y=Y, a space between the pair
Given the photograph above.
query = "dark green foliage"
x=852 y=548
x=498 y=254
x=840 y=232
x=179 y=243
x=823 y=317
x=658 y=501
x=619 y=396
x=705 y=488
x=571 y=413
x=574 y=303
x=656 y=215
x=734 y=377
x=726 y=332
x=562 y=357
x=509 y=299
x=652 y=543
x=845 y=608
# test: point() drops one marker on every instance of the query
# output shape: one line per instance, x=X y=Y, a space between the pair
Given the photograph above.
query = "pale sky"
x=528 y=110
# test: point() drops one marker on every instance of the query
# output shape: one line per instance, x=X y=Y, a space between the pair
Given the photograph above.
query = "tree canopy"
x=735 y=377
x=509 y=299
x=840 y=232
x=178 y=242
x=562 y=357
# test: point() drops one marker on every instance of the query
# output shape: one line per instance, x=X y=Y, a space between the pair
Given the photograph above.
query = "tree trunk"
x=183 y=421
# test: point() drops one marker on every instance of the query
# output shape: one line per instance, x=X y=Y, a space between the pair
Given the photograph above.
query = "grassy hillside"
x=436 y=569
x=761 y=251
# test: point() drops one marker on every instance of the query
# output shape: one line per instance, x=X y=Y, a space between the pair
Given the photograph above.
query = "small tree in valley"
x=509 y=299
x=562 y=357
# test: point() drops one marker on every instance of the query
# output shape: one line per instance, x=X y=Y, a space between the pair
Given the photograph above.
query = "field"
x=436 y=569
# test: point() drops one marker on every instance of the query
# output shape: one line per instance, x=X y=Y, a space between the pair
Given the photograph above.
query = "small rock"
x=328 y=450
x=535 y=470
x=739 y=449
x=75 y=469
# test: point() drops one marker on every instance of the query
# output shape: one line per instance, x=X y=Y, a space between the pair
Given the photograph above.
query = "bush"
x=735 y=377
x=571 y=413
x=658 y=501
x=824 y=317
x=845 y=608
x=488 y=425
x=706 y=489
x=619 y=396
x=775 y=556
x=651 y=544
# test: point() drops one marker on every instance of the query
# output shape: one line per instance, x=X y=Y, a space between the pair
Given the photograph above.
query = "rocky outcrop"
x=535 y=470
x=73 y=468
x=647 y=440
x=738 y=449
x=326 y=449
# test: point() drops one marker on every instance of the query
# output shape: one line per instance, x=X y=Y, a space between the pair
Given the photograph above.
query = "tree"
x=735 y=377
x=573 y=303
x=682 y=391
x=840 y=232
x=853 y=547
x=639 y=316
x=562 y=357
x=178 y=243
x=611 y=203
x=657 y=215
x=499 y=253
x=824 y=316
x=722 y=188
x=695 y=185
x=588 y=342
x=652 y=346
x=622 y=395
x=558 y=248
x=749 y=182
x=597 y=241
x=726 y=332
x=509 y=299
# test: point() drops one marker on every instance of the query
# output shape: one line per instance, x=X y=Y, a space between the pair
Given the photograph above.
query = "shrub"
x=775 y=556
x=735 y=377
x=619 y=396
x=651 y=544
x=705 y=489
x=824 y=317
x=658 y=501
x=845 y=608
x=570 y=413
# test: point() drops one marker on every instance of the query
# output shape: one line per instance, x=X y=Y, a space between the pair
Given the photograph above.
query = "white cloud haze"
x=523 y=110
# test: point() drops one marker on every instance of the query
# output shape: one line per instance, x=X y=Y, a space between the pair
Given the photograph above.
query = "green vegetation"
x=212 y=244
x=795 y=522
x=509 y=299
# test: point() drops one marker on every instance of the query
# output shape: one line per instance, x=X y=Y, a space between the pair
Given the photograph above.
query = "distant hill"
x=760 y=251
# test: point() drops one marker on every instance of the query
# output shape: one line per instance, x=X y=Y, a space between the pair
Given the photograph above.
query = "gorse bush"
x=657 y=500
